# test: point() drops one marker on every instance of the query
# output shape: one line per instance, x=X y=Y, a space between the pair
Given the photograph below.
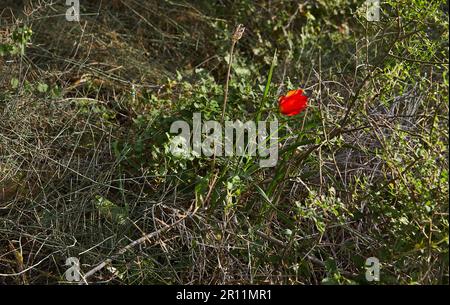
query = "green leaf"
x=14 y=83
x=42 y=88
x=269 y=81
x=263 y=195
x=111 y=211
x=5 y=49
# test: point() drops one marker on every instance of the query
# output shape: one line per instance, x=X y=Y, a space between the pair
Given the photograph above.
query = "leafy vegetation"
x=85 y=169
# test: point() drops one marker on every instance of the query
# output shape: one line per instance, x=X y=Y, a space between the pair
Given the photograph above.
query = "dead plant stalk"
x=237 y=35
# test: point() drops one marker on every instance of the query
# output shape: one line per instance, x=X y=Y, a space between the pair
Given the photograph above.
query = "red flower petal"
x=293 y=102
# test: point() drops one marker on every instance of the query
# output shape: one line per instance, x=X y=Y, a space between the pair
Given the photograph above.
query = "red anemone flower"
x=293 y=103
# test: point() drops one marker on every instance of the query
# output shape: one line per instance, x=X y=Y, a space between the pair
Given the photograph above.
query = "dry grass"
x=58 y=161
